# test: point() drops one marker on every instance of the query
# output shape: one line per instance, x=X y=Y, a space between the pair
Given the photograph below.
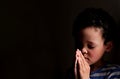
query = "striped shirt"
x=108 y=71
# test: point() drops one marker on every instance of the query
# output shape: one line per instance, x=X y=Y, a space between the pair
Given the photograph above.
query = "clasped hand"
x=81 y=67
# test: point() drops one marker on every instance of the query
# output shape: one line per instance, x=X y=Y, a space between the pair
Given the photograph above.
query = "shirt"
x=108 y=71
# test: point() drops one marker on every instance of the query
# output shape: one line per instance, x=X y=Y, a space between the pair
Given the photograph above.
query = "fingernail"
x=79 y=51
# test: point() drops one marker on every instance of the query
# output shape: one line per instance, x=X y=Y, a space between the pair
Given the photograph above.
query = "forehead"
x=92 y=29
x=91 y=33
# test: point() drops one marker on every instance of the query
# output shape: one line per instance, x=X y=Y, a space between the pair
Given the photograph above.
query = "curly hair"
x=92 y=17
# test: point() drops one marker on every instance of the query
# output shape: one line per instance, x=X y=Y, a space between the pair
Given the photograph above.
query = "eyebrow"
x=90 y=42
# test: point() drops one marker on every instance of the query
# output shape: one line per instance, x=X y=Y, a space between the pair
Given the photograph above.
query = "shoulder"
x=113 y=71
x=111 y=67
x=108 y=71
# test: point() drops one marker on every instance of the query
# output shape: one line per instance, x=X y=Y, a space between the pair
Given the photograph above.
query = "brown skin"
x=89 y=58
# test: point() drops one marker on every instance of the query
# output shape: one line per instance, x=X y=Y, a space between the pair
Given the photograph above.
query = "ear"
x=109 y=46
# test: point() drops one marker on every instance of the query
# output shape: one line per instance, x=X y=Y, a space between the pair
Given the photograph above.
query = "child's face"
x=92 y=44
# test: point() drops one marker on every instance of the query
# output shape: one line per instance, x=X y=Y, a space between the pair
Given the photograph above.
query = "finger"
x=83 y=66
x=75 y=67
x=82 y=61
x=82 y=57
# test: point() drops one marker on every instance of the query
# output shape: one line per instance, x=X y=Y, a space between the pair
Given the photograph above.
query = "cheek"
x=96 y=54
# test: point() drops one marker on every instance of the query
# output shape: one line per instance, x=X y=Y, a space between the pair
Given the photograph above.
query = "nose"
x=84 y=51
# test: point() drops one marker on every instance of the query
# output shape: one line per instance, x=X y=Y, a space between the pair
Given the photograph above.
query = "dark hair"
x=95 y=18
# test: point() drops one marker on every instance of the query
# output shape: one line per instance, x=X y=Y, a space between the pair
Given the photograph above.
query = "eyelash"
x=91 y=47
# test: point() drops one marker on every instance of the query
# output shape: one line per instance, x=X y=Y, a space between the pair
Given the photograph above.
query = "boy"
x=94 y=32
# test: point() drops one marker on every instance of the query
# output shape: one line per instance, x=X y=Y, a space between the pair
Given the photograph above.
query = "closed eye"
x=91 y=46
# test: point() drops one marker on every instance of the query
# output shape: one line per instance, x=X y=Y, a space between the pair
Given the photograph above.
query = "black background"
x=36 y=36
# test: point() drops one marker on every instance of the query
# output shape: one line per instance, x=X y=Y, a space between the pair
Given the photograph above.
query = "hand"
x=81 y=68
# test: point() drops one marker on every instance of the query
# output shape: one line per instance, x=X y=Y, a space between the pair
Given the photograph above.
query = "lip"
x=87 y=58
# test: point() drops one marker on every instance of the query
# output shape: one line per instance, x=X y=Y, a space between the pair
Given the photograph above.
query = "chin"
x=88 y=61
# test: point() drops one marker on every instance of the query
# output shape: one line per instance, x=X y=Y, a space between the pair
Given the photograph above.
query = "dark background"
x=36 y=36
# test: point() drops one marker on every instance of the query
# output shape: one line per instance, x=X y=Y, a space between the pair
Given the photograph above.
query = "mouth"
x=87 y=59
